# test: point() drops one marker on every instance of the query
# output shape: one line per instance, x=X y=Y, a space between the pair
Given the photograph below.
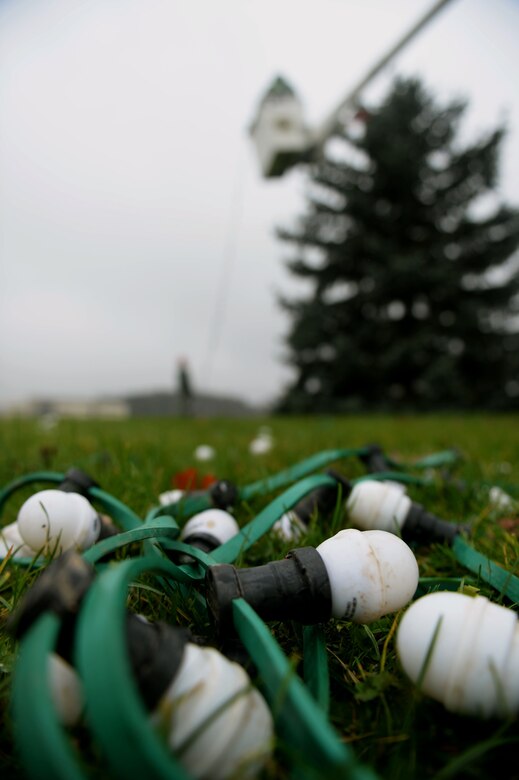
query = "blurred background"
x=137 y=228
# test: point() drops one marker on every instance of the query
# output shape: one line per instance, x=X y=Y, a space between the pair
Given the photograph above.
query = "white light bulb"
x=465 y=651
x=261 y=444
x=171 y=497
x=11 y=540
x=500 y=499
x=378 y=505
x=211 y=701
x=371 y=573
x=66 y=690
x=213 y=522
x=54 y=519
x=289 y=527
x=204 y=452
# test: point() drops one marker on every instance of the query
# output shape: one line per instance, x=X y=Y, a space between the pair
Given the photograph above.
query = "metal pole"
x=330 y=124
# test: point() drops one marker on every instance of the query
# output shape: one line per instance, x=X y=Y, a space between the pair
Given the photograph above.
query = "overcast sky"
x=135 y=226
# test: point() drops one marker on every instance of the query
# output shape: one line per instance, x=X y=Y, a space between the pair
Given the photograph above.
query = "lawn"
x=390 y=729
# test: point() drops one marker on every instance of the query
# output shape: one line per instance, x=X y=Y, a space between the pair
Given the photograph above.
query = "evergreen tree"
x=413 y=295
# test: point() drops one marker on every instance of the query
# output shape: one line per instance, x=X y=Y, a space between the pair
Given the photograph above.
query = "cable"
x=226 y=270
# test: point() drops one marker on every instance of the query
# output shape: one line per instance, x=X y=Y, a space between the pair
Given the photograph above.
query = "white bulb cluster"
x=463 y=651
x=51 y=521
x=210 y=707
x=371 y=574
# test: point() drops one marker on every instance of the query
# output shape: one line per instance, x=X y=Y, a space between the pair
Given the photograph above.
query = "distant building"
x=73 y=408
x=164 y=404
x=151 y=404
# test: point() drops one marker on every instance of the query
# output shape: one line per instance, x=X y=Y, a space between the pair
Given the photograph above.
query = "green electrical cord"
x=316 y=673
x=393 y=476
x=115 y=713
x=298 y=716
x=263 y=522
x=296 y=472
x=38 y=476
x=188 y=506
x=505 y=582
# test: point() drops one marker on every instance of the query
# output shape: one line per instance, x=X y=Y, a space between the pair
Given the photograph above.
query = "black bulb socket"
x=375 y=459
x=322 y=500
x=423 y=527
x=224 y=494
x=155 y=651
x=295 y=588
x=202 y=541
x=77 y=481
x=60 y=588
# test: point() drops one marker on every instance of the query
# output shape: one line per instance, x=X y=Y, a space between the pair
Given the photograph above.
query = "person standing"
x=185 y=390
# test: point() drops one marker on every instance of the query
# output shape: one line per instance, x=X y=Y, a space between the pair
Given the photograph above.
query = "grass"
x=390 y=726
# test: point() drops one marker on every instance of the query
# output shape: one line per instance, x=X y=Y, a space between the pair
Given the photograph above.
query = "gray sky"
x=135 y=226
